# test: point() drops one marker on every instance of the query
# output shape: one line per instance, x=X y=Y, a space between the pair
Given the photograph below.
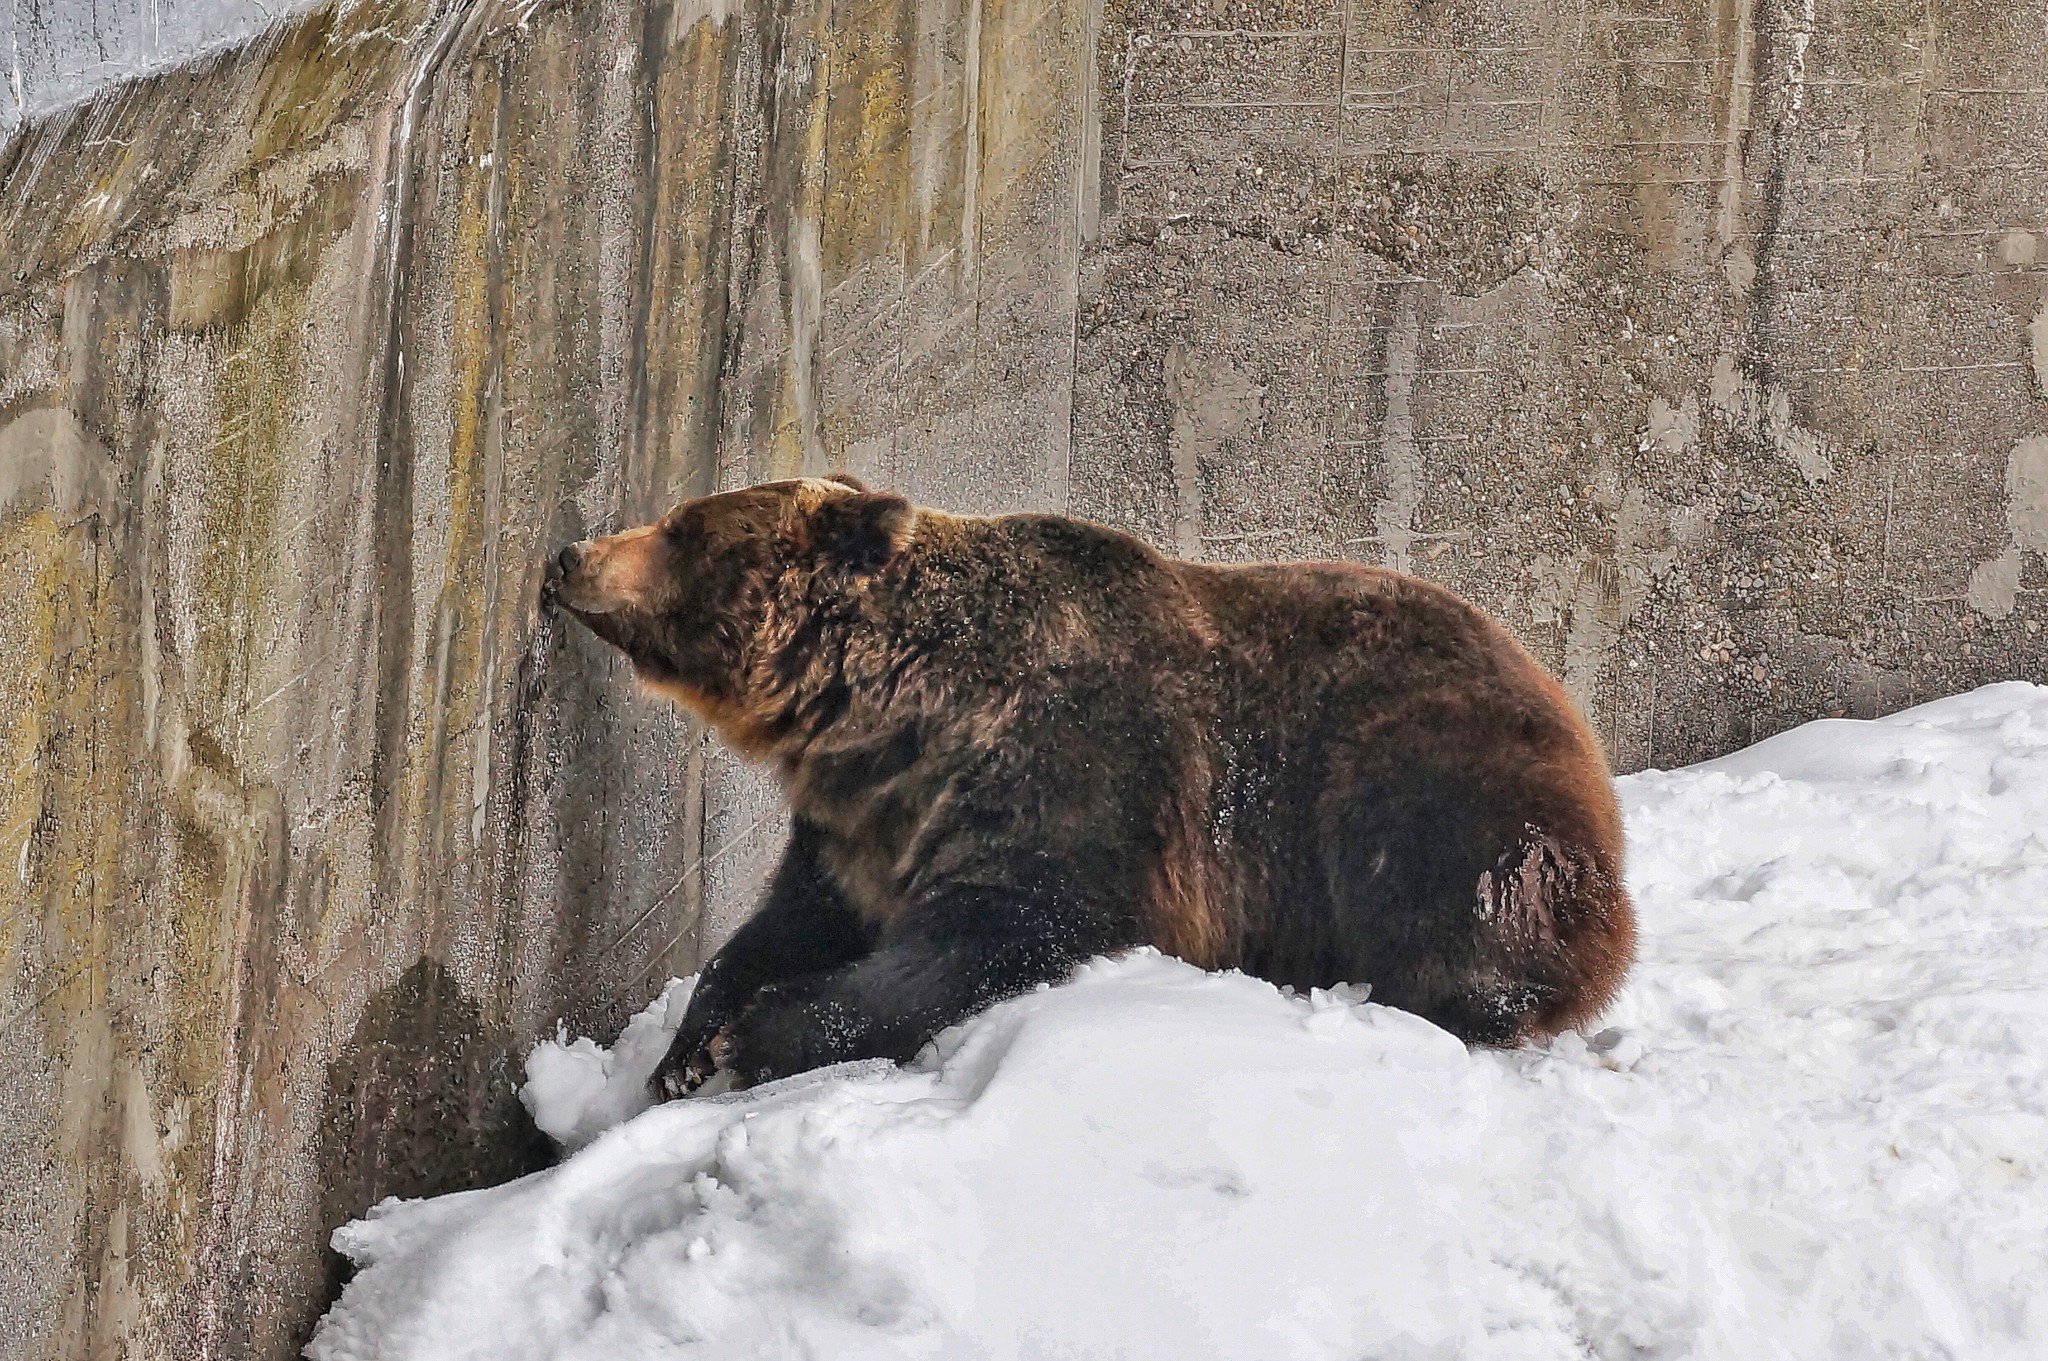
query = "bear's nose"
x=570 y=558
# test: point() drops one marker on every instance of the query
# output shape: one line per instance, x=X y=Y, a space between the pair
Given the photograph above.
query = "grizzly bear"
x=1013 y=743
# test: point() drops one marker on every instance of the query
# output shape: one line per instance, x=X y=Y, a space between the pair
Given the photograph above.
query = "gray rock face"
x=1706 y=347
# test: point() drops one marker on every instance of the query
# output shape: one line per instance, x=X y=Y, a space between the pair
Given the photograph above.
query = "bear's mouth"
x=579 y=603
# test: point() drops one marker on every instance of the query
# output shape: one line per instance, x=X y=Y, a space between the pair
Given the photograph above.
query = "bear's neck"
x=870 y=668
x=901 y=683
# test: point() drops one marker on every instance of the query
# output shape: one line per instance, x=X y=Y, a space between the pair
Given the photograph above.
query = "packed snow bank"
x=1813 y=1126
x=577 y=1089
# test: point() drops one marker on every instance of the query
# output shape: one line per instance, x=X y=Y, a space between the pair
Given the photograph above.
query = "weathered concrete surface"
x=1707 y=346
x=1694 y=340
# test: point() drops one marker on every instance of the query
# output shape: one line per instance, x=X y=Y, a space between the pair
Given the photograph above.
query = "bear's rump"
x=1475 y=882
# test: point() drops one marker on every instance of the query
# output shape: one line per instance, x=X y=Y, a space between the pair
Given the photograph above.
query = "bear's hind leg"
x=1556 y=937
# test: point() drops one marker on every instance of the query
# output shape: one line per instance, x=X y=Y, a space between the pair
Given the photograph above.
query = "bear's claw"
x=672 y=1081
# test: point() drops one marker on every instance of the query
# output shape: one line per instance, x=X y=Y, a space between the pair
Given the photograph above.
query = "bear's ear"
x=847 y=480
x=865 y=532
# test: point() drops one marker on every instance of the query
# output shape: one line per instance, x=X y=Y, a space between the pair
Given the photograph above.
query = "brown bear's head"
x=709 y=602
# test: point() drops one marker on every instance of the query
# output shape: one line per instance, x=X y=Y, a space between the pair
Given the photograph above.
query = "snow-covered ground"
x=1815 y=1125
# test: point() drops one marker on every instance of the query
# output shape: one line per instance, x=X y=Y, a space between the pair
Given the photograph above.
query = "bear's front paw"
x=684 y=1069
x=791 y=1029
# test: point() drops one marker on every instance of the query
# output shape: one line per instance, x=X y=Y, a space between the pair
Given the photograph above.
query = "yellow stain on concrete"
x=325 y=67
x=33 y=553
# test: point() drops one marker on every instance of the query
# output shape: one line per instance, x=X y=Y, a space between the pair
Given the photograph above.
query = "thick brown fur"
x=1013 y=743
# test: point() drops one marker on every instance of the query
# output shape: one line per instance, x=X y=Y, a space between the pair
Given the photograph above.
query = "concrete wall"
x=57 y=52
x=1707 y=346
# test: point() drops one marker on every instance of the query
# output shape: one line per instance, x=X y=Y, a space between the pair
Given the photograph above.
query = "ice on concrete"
x=1814 y=1125
x=57 y=52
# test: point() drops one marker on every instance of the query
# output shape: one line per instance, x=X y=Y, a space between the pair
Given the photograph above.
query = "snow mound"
x=577 y=1089
x=1814 y=1126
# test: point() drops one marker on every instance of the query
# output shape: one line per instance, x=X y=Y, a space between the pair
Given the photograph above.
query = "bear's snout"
x=606 y=575
x=570 y=579
x=559 y=569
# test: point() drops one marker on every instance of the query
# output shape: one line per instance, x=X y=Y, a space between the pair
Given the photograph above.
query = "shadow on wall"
x=422 y=1100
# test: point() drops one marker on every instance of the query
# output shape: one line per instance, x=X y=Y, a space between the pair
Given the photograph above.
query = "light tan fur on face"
x=615 y=574
x=627 y=571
